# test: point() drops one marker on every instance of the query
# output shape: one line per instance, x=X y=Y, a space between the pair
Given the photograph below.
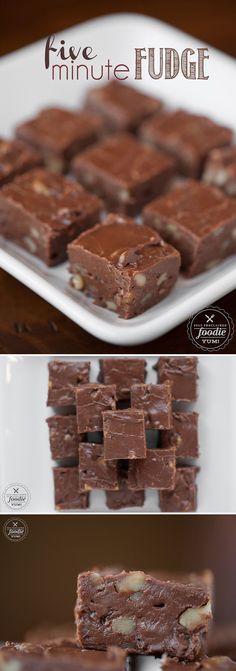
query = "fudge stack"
x=122 y=435
x=120 y=614
x=124 y=153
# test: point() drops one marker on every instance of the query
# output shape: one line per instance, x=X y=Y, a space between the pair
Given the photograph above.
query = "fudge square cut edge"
x=156 y=402
x=142 y=614
x=91 y=402
x=43 y=212
x=124 y=434
x=125 y=173
x=199 y=220
x=16 y=157
x=63 y=437
x=183 y=435
x=66 y=489
x=123 y=266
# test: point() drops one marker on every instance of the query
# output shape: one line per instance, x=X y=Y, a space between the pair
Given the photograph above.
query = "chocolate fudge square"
x=124 y=497
x=63 y=378
x=183 y=498
x=156 y=402
x=43 y=212
x=94 y=471
x=124 y=172
x=123 y=266
x=188 y=138
x=142 y=614
x=121 y=106
x=66 y=489
x=63 y=436
x=91 y=401
x=220 y=169
x=123 y=373
x=124 y=434
x=199 y=220
x=58 y=134
x=156 y=471
x=183 y=436
x=182 y=372
x=16 y=157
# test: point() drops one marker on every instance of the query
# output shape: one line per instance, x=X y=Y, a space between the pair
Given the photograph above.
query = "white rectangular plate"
x=24 y=444
x=27 y=87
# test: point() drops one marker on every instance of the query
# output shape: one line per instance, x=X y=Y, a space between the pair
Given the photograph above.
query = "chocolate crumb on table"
x=91 y=402
x=16 y=157
x=156 y=471
x=66 y=489
x=58 y=134
x=124 y=434
x=63 y=378
x=199 y=220
x=94 y=471
x=123 y=266
x=43 y=212
x=121 y=106
x=63 y=437
x=183 y=435
x=183 y=497
x=124 y=497
x=156 y=402
x=123 y=373
x=142 y=614
x=220 y=169
x=182 y=372
x=188 y=138
x=124 y=172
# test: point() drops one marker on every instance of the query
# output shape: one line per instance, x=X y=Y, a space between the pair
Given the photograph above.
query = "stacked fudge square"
x=120 y=154
x=122 y=435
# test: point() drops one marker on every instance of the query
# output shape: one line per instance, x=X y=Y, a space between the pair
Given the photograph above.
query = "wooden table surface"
x=27 y=323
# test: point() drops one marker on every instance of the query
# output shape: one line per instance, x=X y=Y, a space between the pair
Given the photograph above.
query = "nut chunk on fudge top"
x=124 y=434
x=123 y=373
x=42 y=212
x=124 y=266
x=15 y=158
x=156 y=402
x=124 y=172
x=142 y=614
x=60 y=133
x=63 y=378
x=123 y=107
x=182 y=372
x=187 y=137
x=199 y=220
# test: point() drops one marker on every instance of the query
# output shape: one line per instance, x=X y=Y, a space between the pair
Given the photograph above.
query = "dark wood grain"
x=27 y=323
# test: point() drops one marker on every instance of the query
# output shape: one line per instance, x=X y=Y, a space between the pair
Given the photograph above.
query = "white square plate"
x=27 y=87
x=24 y=444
